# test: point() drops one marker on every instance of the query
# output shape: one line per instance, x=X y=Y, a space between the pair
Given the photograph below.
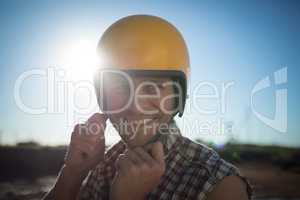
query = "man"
x=140 y=88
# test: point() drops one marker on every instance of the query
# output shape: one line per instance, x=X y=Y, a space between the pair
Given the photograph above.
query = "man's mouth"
x=144 y=121
x=130 y=128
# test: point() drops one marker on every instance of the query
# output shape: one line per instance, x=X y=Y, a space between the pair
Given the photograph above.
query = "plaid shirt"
x=192 y=171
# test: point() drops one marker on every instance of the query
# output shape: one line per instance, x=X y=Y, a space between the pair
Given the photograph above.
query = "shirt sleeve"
x=95 y=186
x=221 y=170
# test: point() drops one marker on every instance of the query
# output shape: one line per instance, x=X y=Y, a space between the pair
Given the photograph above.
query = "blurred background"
x=243 y=89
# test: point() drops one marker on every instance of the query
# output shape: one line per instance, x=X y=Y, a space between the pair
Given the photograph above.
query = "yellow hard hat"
x=146 y=45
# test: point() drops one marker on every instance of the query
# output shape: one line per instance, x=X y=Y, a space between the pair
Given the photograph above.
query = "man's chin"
x=136 y=140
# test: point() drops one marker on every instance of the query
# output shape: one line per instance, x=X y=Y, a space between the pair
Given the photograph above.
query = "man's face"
x=138 y=105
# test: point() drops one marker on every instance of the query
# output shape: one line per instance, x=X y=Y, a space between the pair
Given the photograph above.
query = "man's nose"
x=133 y=108
x=143 y=105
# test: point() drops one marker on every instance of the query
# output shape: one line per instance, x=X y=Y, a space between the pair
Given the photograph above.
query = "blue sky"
x=238 y=42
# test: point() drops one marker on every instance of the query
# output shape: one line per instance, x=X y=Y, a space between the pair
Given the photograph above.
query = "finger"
x=157 y=151
x=79 y=130
x=134 y=157
x=82 y=146
x=97 y=118
x=145 y=156
x=80 y=134
x=96 y=124
x=93 y=140
x=123 y=163
x=91 y=131
x=82 y=130
x=83 y=149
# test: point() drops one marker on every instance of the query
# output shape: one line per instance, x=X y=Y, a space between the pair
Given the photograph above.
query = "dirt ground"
x=272 y=182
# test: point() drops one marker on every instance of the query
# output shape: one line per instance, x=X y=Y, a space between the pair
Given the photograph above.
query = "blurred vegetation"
x=30 y=160
x=285 y=157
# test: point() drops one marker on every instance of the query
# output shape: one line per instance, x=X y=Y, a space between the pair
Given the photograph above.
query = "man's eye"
x=153 y=89
x=160 y=85
x=150 y=88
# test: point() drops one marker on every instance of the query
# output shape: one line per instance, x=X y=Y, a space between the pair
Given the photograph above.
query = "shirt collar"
x=170 y=138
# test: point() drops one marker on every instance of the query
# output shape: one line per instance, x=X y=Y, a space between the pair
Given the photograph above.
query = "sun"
x=80 y=60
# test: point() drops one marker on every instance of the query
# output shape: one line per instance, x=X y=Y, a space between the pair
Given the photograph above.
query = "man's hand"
x=85 y=151
x=87 y=145
x=138 y=172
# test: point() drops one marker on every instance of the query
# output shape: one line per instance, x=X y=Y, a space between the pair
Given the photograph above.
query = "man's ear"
x=178 y=93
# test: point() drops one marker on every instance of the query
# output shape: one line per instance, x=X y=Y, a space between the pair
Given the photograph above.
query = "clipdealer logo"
x=279 y=121
x=61 y=97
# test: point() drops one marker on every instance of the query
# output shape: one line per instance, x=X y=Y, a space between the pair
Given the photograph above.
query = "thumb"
x=157 y=151
x=97 y=123
x=98 y=118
